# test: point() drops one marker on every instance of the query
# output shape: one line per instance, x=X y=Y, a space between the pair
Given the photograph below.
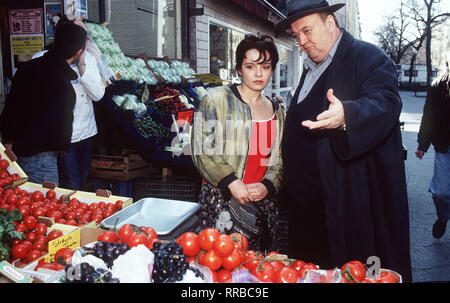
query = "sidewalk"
x=430 y=257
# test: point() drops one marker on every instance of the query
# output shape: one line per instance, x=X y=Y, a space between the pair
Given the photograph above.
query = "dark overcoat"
x=362 y=168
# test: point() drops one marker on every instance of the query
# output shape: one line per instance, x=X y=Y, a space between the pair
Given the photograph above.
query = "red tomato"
x=41 y=238
x=388 y=277
x=55 y=214
x=224 y=246
x=19 y=251
x=39 y=211
x=240 y=241
x=252 y=259
x=304 y=268
x=54 y=234
x=74 y=203
x=200 y=257
x=39 y=245
x=277 y=265
x=150 y=232
x=223 y=276
x=70 y=216
x=212 y=260
x=286 y=275
x=232 y=261
x=264 y=272
x=40 y=229
x=119 y=204
x=4 y=164
x=108 y=236
x=33 y=255
x=20 y=228
x=207 y=237
x=97 y=218
x=31 y=236
x=27 y=244
x=24 y=210
x=190 y=244
x=37 y=196
x=53 y=206
x=297 y=264
x=51 y=194
x=23 y=201
x=61 y=221
x=136 y=239
x=63 y=255
x=124 y=232
x=71 y=222
x=354 y=270
x=11 y=199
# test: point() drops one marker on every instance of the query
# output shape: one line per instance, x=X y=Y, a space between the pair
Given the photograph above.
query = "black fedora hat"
x=297 y=9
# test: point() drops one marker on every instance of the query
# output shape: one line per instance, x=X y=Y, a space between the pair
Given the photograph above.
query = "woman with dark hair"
x=236 y=148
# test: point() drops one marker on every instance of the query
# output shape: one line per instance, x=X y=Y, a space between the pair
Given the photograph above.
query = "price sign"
x=72 y=240
x=183 y=116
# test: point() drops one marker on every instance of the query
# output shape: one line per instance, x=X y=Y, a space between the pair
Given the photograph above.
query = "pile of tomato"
x=132 y=235
x=35 y=204
x=223 y=254
x=5 y=178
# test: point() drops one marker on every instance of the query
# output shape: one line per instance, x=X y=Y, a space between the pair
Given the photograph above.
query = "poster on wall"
x=25 y=21
x=23 y=47
x=76 y=7
x=52 y=16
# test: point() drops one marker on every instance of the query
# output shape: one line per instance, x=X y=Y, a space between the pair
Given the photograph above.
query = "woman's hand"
x=257 y=190
x=419 y=154
x=239 y=191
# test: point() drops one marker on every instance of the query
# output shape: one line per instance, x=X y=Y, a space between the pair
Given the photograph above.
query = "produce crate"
x=13 y=167
x=168 y=187
x=101 y=196
x=45 y=187
x=122 y=168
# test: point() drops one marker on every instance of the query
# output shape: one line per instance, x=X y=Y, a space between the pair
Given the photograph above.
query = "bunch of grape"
x=170 y=263
x=108 y=251
x=85 y=273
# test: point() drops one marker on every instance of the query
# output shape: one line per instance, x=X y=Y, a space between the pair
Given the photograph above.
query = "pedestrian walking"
x=435 y=130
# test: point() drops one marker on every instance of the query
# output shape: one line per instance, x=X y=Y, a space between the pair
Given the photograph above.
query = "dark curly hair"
x=262 y=44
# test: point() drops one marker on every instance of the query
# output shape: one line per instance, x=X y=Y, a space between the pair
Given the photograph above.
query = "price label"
x=183 y=116
x=72 y=240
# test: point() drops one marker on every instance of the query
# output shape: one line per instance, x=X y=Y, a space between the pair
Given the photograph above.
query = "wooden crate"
x=121 y=168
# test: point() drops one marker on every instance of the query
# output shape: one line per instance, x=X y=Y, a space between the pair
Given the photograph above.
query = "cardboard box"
x=13 y=167
x=77 y=238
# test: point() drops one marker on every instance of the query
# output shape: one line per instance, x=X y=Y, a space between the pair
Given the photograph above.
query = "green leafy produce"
x=7 y=231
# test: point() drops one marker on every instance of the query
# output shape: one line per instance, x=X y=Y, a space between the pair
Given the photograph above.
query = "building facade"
x=206 y=32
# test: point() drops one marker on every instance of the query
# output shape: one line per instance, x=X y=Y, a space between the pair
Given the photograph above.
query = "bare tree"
x=392 y=36
x=427 y=15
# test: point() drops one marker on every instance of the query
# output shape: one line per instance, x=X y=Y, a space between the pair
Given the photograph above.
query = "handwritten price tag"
x=72 y=240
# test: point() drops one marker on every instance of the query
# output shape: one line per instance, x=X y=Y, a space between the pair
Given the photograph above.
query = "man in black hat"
x=342 y=152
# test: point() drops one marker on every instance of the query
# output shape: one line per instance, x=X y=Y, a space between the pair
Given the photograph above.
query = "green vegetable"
x=7 y=231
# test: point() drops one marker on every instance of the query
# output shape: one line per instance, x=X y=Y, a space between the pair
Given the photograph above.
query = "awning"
x=263 y=9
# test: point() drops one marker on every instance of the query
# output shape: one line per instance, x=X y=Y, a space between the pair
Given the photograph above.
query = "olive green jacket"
x=220 y=140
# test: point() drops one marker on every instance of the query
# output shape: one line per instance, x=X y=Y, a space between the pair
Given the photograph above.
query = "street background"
x=430 y=257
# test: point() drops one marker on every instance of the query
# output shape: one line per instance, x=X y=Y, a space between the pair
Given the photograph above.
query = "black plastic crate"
x=175 y=188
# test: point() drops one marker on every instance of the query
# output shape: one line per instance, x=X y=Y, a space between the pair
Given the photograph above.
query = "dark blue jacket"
x=38 y=112
x=362 y=169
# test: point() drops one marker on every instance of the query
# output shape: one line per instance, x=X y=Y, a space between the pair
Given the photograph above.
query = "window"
x=146 y=26
x=223 y=42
